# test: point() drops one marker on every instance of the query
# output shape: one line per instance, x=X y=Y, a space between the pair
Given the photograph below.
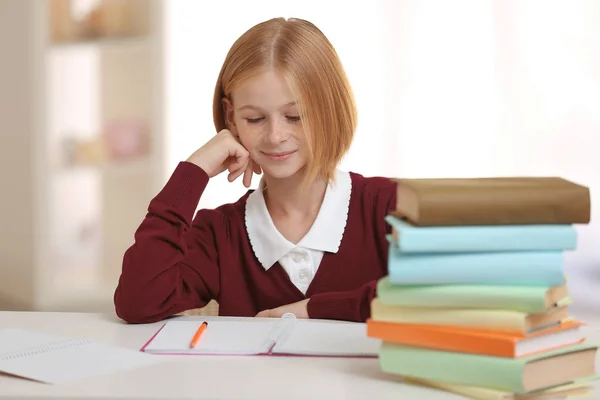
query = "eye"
x=293 y=118
x=255 y=120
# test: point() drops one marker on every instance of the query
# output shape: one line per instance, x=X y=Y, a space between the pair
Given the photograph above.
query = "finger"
x=263 y=314
x=248 y=175
x=235 y=166
x=235 y=174
x=256 y=168
x=237 y=161
x=237 y=150
x=236 y=171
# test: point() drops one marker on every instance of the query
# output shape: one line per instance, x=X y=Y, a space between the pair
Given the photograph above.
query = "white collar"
x=326 y=233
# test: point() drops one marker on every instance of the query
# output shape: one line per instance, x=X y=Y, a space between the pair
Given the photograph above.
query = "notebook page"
x=248 y=336
x=62 y=360
x=328 y=338
x=12 y=340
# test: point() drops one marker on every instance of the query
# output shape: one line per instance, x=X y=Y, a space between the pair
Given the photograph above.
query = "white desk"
x=204 y=377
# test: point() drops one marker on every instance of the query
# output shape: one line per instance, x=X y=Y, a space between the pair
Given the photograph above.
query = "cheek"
x=294 y=131
x=300 y=136
x=249 y=136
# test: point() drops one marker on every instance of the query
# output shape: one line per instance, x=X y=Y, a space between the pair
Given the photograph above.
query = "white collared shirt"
x=300 y=260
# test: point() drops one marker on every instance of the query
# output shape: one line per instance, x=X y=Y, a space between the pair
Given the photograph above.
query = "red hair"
x=315 y=76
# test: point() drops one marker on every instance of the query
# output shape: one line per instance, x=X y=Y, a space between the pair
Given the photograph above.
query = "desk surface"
x=208 y=377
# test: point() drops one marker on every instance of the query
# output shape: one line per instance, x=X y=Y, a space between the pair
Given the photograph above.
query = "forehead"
x=266 y=89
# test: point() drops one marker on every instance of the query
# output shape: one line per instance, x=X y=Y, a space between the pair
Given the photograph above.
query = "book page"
x=243 y=336
x=52 y=359
x=328 y=338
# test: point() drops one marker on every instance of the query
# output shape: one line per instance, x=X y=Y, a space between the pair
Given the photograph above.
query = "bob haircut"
x=315 y=76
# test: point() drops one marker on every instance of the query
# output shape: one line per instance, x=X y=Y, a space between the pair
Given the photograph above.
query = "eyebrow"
x=252 y=107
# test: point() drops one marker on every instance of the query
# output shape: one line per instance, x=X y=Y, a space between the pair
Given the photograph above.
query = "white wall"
x=505 y=88
x=461 y=88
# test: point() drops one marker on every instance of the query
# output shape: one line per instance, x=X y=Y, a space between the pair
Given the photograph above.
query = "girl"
x=311 y=240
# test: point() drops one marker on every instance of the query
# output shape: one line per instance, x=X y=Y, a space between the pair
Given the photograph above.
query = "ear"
x=228 y=114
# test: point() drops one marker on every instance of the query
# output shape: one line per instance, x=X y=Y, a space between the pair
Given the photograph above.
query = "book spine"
x=510 y=268
x=513 y=269
x=484 y=239
x=562 y=204
x=511 y=201
x=528 y=300
x=459 y=368
x=468 y=318
x=443 y=338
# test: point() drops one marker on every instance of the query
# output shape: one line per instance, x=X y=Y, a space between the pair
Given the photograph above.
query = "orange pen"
x=198 y=334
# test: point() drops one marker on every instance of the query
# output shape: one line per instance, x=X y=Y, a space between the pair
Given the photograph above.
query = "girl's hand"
x=225 y=152
x=299 y=309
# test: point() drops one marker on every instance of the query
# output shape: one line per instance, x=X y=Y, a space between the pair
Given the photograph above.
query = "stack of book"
x=476 y=301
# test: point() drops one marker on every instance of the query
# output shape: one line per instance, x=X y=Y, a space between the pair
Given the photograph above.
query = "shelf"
x=133 y=167
x=123 y=43
x=88 y=157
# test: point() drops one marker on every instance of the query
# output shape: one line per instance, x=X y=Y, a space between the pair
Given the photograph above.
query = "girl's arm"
x=173 y=264
x=355 y=305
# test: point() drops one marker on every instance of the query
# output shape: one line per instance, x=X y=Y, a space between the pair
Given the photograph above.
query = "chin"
x=281 y=170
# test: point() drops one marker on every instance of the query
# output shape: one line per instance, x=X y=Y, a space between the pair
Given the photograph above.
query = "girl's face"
x=264 y=115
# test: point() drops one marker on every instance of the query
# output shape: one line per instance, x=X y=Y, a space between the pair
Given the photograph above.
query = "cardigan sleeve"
x=355 y=305
x=172 y=265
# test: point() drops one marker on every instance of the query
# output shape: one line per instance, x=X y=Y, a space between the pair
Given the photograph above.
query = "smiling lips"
x=281 y=156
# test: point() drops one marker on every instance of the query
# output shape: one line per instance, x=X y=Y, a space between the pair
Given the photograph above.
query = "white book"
x=265 y=336
x=55 y=359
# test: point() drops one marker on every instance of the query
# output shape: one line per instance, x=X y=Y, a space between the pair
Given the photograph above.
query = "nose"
x=276 y=132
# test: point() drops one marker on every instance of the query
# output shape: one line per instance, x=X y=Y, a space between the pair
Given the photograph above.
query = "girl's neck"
x=285 y=198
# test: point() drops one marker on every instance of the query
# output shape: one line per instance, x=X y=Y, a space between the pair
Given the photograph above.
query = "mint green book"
x=516 y=375
x=528 y=299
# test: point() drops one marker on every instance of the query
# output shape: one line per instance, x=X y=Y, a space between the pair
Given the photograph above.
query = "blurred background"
x=100 y=99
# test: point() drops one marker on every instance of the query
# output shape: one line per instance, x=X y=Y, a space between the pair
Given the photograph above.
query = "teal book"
x=528 y=299
x=516 y=375
x=443 y=239
x=525 y=268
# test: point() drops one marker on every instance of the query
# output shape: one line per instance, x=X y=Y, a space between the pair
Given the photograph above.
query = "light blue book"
x=444 y=239
x=526 y=268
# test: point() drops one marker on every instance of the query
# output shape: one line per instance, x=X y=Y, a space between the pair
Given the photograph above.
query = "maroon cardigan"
x=179 y=262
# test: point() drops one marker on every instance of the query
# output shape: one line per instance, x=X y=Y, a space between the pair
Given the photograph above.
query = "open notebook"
x=258 y=336
x=54 y=359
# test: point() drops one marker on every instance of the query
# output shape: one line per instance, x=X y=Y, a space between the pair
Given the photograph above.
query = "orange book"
x=498 y=343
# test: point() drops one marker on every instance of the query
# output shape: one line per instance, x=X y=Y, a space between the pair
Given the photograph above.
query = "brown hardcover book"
x=492 y=201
